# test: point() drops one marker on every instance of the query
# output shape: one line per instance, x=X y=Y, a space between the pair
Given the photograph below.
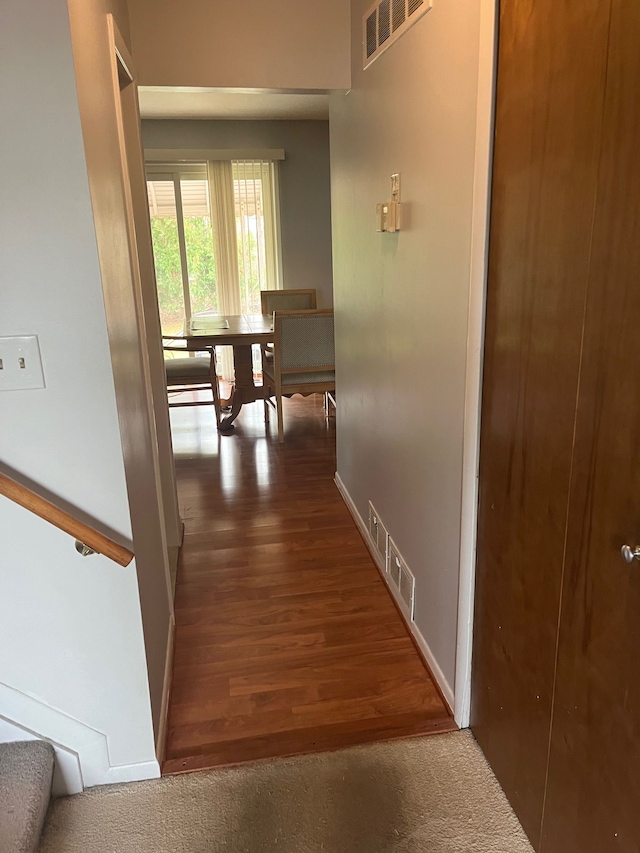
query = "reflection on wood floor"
x=287 y=640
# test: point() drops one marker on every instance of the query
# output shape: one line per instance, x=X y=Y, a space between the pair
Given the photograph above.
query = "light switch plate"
x=20 y=363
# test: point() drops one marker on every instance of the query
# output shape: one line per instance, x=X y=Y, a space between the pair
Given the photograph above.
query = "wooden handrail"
x=25 y=497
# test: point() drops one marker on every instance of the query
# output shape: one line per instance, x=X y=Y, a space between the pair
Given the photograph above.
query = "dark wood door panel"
x=551 y=71
x=595 y=756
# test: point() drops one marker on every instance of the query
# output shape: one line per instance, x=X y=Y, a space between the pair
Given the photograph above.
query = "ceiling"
x=186 y=103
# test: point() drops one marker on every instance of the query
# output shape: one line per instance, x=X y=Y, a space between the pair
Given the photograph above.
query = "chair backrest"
x=304 y=341
x=286 y=300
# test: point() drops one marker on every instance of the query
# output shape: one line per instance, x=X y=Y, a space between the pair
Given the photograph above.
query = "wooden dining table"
x=241 y=332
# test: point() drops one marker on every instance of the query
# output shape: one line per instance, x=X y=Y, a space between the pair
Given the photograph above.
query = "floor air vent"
x=385 y=22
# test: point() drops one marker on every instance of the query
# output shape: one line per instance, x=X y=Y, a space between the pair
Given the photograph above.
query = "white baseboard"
x=82 y=752
x=132 y=772
x=67 y=776
x=362 y=527
x=166 y=693
x=436 y=671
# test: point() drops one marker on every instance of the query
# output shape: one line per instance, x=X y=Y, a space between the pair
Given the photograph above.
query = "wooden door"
x=551 y=79
x=594 y=770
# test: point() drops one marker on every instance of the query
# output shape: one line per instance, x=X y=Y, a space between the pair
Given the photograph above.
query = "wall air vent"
x=384 y=25
x=378 y=533
x=371 y=33
x=385 y=22
x=403 y=583
x=398 y=14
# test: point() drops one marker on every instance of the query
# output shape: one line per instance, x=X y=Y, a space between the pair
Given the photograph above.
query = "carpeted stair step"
x=26 y=773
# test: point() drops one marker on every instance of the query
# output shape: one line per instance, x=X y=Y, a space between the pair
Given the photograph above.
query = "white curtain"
x=243 y=202
x=269 y=172
x=223 y=222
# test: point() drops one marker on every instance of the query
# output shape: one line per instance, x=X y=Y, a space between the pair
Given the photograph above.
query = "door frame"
x=485 y=114
x=127 y=117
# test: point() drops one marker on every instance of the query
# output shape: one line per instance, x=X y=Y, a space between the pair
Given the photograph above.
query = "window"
x=215 y=237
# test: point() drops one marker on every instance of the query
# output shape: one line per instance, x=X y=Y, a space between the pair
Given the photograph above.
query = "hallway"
x=287 y=640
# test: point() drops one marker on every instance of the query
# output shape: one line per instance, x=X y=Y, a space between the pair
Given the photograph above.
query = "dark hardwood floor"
x=287 y=640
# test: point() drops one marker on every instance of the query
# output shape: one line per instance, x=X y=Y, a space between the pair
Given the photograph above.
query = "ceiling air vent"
x=385 y=22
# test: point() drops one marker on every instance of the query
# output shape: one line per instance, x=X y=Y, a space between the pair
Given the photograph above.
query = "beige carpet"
x=434 y=794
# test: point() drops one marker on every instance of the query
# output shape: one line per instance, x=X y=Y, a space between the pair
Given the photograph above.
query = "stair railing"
x=88 y=539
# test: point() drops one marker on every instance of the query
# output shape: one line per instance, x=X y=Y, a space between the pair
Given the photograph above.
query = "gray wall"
x=402 y=300
x=305 y=196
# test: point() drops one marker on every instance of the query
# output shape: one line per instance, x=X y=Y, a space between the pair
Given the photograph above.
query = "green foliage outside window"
x=201 y=267
x=200 y=264
x=250 y=283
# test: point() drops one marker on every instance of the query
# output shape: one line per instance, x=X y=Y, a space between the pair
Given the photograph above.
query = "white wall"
x=402 y=301
x=241 y=43
x=71 y=639
x=305 y=191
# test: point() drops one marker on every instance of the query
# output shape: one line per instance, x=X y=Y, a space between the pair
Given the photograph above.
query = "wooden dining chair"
x=303 y=359
x=191 y=373
x=287 y=300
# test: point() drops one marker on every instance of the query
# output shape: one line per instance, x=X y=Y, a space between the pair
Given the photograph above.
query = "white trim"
x=437 y=673
x=225 y=90
x=132 y=772
x=166 y=693
x=378 y=559
x=50 y=724
x=176 y=155
x=67 y=775
x=191 y=171
x=124 y=57
x=82 y=743
x=475 y=342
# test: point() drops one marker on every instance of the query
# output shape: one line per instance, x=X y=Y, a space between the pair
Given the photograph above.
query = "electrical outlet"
x=20 y=363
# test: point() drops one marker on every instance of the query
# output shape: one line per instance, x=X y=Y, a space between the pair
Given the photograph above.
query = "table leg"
x=245 y=389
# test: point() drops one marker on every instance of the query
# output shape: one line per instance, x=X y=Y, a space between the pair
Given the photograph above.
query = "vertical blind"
x=255 y=219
